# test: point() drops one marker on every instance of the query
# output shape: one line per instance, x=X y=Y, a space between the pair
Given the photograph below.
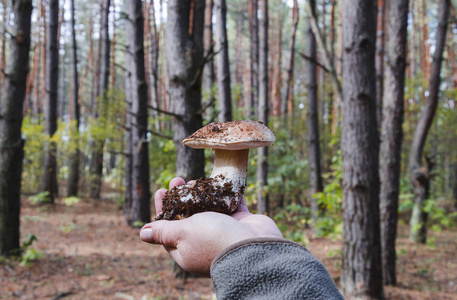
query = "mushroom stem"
x=233 y=165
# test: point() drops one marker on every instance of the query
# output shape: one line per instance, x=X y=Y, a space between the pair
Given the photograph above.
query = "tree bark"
x=73 y=175
x=454 y=190
x=424 y=49
x=277 y=78
x=11 y=143
x=325 y=55
x=52 y=82
x=262 y=161
x=413 y=43
x=96 y=164
x=361 y=275
x=392 y=133
x=251 y=103
x=208 y=71
x=420 y=174
x=379 y=60
x=62 y=95
x=223 y=68
x=151 y=58
x=138 y=209
x=5 y=20
x=288 y=95
x=184 y=45
x=315 y=177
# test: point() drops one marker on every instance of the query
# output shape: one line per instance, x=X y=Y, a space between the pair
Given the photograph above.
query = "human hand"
x=194 y=242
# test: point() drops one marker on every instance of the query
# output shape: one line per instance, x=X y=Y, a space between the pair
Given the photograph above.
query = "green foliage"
x=162 y=159
x=438 y=216
x=40 y=198
x=71 y=201
x=331 y=199
x=26 y=255
x=288 y=169
x=29 y=256
x=138 y=224
x=292 y=221
x=33 y=133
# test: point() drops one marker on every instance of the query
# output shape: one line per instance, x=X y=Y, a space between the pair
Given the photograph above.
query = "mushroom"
x=224 y=189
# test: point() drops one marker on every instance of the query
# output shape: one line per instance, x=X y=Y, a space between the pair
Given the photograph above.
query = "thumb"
x=162 y=232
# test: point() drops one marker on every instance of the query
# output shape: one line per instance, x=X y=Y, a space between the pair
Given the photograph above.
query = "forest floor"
x=89 y=253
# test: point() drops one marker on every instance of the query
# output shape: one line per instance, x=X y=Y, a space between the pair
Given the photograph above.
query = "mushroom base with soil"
x=205 y=194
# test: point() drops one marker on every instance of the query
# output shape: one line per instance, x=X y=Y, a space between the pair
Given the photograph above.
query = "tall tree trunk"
x=223 y=70
x=208 y=71
x=31 y=76
x=425 y=49
x=325 y=54
x=251 y=103
x=153 y=55
x=288 y=95
x=277 y=80
x=314 y=154
x=336 y=110
x=73 y=175
x=63 y=83
x=262 y=161
x=11 y=143
x=139 y=208
x=52 y=82
x=96 y=72
x=42 y=91
x=454 y=190
x=184 y=44
x=321 y=84
x=392 y=133
x=379 y=60
x=413 y=43
x=420 y=174
x=96 y=164
x=361 y=270
x=5 y=20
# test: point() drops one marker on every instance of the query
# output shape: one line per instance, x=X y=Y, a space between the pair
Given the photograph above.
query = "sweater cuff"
x=265 y=240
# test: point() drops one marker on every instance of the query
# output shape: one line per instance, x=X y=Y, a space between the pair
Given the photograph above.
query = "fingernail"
x=146 y=234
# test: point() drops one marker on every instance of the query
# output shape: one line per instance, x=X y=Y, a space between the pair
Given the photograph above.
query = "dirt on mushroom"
x=205 y=194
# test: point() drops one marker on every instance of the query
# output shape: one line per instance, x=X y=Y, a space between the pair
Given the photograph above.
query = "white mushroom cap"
x=234 y=135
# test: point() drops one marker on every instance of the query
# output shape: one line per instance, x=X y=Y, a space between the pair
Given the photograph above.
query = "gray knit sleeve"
x=271 y=269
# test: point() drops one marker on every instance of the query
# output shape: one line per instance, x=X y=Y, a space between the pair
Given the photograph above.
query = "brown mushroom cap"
x=234 y=135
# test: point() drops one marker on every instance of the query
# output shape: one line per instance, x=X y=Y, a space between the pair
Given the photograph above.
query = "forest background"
x=113 y=87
